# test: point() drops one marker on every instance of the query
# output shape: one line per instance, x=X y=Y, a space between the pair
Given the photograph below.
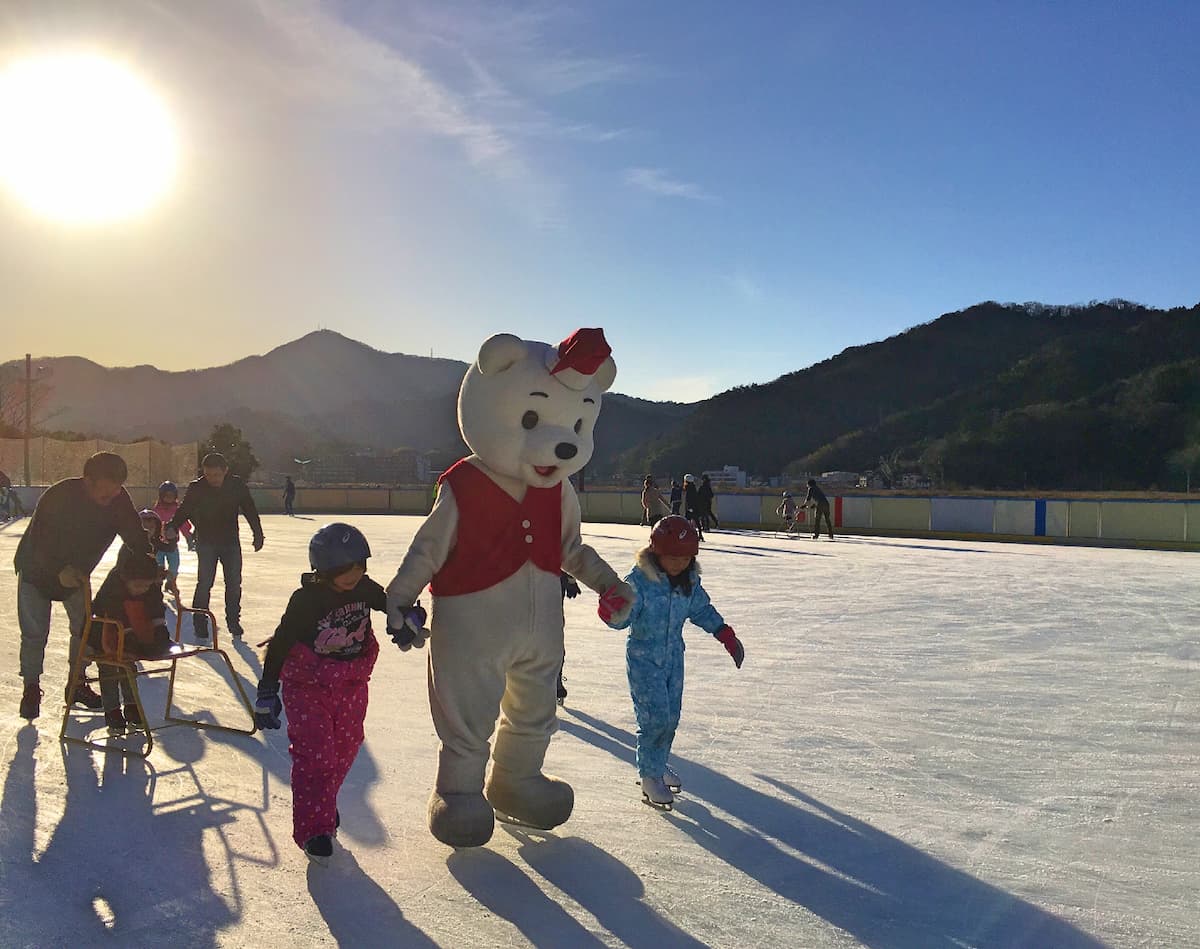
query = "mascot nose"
x=565 y=450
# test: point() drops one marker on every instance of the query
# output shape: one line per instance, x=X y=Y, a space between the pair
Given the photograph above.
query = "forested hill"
x=994 y=396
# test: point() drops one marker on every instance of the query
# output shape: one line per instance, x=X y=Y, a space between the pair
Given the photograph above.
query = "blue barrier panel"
x=1039 y=519
x=737 y=508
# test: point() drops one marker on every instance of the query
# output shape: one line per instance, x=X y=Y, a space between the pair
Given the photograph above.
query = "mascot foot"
x=461 y=820
x=535 y=800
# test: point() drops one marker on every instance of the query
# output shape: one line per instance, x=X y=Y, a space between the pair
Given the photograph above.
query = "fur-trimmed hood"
x=645 y=563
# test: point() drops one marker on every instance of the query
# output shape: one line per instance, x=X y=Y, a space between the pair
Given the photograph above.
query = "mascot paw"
x=537 y=800
x=617 y=604
x=461 y=820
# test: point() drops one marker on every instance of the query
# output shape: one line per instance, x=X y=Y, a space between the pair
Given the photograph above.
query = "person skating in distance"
x=570 y=590
x=816 y=499
x=667 y=581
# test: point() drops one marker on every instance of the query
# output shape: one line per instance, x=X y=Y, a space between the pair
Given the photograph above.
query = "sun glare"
x=82 y=139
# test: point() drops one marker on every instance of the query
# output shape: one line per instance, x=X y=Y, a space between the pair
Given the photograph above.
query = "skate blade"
x=656 y=805
x=517 y=822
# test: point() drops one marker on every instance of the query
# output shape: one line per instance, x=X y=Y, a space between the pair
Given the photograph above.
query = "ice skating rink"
x=931 y=744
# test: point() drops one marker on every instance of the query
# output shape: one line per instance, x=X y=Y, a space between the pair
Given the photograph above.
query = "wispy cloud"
x=427 y=69
x=745 y=286
x=657 y=181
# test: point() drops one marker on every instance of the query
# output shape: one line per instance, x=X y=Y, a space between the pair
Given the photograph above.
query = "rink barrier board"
x=1170 y=523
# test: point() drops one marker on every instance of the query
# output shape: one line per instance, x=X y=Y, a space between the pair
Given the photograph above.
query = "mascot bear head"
x=527 y=409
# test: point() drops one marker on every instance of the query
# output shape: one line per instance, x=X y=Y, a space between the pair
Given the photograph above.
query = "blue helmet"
x=337 y=545
x=168 y=487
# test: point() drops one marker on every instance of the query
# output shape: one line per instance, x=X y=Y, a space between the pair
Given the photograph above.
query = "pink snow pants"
x=326 y=702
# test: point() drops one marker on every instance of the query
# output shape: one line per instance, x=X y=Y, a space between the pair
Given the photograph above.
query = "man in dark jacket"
x=705 y=496
x=212 y=503
x=816 y=499
x=73 y=525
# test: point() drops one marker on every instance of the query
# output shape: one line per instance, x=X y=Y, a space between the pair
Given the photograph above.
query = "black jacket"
x=690 y=497
x=145 y=614
x=214 y=511
x=68 y=528
x=816 y=496
x=333 y=624
x=705 y=494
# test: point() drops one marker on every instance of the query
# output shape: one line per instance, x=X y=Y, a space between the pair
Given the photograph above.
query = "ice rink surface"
x=931 y=744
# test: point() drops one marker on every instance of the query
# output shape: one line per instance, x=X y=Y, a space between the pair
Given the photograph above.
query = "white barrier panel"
x=1014 y=517
x=856 y=512
x=961 y=515
x=737 y=508
x=1058 y=515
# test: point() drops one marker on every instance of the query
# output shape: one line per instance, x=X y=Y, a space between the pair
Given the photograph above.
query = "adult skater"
x=650 y=498
x=73 y=524
x=212 y=503
x=816 y=499
x=667 y=581
x=570 y=590
x=691 y=503
x=676 y=496
x=705 y=495
x=289 y=496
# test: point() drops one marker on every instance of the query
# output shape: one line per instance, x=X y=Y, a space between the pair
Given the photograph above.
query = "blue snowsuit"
x=654 y=655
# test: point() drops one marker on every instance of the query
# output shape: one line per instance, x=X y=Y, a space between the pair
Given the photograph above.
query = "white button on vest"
x=525 y=523
x=529 y=538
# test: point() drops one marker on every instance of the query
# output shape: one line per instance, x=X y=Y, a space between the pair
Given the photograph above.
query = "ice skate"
x=319 y=849
x=537 y=800
x=461 y=820
x=132 y=715
x=84 y=695
x=562 y=691
x=115 y=722
x=31 y=701
x=656 y=793
x=671 y=780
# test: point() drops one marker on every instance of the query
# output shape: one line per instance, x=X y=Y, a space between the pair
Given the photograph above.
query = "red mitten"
x=728 y=639
x=612 y=604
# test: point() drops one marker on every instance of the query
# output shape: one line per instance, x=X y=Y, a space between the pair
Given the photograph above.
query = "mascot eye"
x=529 y=420
x=579 y=426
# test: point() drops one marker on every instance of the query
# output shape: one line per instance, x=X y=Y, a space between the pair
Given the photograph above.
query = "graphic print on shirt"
x=343 y=631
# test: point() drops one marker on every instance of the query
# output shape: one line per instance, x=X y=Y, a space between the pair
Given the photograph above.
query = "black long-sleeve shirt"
x=816 y=496
x=69 y=529
x=214 y=511
x=334 y=624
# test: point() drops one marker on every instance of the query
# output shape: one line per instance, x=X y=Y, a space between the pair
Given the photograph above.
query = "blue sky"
x=733 y=191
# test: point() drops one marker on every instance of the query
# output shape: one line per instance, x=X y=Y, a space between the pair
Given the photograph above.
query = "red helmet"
x=674 y=536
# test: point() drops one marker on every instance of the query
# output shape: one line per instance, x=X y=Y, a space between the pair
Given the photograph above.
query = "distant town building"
x=729 y=476
x=919 y=482
x=401 y=466
x=839 y=479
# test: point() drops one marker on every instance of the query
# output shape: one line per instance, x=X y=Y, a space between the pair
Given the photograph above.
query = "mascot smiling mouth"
x=545 y=470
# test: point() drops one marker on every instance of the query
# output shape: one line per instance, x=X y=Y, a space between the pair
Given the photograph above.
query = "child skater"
x=132 y=595
x=667 y=581
x=153 y=526
x=168 y=504
x=787 y=510
x=323 y=652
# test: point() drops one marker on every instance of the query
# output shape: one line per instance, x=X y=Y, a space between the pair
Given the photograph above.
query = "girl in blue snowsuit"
x=667 y=581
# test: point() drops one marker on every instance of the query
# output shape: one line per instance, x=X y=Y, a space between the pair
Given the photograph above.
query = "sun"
x=83 y=140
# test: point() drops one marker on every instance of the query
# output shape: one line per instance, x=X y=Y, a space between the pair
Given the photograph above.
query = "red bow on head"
x=584 y=351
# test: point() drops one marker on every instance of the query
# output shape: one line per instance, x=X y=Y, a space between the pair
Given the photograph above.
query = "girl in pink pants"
x=323 y=653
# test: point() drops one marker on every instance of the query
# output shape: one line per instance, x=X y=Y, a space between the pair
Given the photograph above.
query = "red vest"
x=497 y=535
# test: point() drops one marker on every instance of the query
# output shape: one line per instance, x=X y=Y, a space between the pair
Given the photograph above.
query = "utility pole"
x=28 y=410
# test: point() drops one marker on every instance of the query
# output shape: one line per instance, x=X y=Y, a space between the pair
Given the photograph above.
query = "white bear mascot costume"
x=505 y=522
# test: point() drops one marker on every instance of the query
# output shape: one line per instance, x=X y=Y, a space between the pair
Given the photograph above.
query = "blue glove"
x=413 y=633
x=268 y=706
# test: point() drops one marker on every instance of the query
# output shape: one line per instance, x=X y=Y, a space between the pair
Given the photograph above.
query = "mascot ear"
x=499 y=352
x=606 y=374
